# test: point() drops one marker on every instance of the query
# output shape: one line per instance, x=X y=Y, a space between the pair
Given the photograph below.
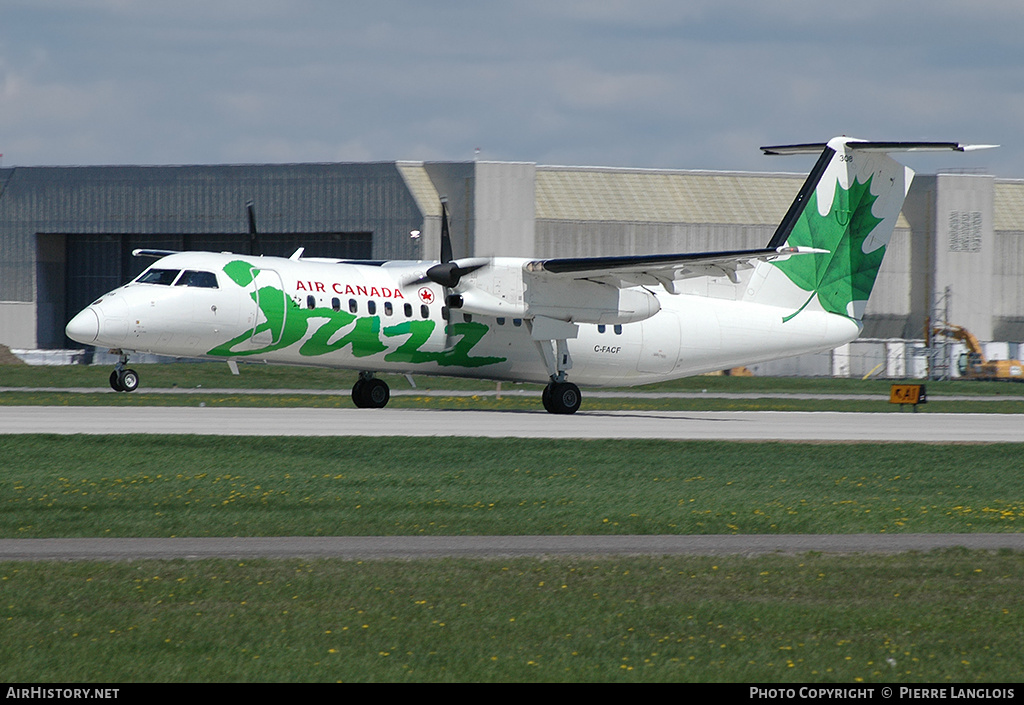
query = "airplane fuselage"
x=363 y=317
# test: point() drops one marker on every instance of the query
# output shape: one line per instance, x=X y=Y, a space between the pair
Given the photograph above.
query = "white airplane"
x=603 y=321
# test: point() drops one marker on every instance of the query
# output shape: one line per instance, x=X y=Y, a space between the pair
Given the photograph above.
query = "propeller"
x=254 y=240
x=450 y=270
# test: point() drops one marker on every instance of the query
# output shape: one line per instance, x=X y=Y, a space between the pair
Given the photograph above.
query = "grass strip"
x=137 y=486
x=216 y=375
x=941 y=617
x=508 y=402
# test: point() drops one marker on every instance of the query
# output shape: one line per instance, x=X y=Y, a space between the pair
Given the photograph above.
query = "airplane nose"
x=85 y=327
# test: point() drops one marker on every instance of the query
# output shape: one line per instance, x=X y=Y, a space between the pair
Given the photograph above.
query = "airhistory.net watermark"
x=49 y=693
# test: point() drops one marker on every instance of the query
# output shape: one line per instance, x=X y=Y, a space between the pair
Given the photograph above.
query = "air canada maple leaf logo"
x=847 y=273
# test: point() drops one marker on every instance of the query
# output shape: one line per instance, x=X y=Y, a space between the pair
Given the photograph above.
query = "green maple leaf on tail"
x=847 y=273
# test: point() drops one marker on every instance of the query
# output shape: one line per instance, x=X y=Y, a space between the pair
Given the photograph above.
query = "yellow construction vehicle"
x=973 y=364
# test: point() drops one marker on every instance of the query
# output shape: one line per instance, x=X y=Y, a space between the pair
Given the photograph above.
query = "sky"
x=681 y=84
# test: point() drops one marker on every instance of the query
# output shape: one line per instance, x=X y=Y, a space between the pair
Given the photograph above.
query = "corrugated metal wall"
x=572 y=238
x=299 y=198
x=48 y=212
x=95 y=215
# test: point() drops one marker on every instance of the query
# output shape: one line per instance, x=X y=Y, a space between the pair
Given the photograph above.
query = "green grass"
x=941 y=617
x=216 y=375
x=54 y=486
x=184 y=376
x=509 y=402
x=261 y=376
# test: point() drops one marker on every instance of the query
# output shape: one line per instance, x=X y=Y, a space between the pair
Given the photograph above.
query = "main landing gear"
x=123 y=379
x=369 y=392
x=561 y=398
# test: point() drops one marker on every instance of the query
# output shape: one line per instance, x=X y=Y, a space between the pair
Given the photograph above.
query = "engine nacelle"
x=478 y=301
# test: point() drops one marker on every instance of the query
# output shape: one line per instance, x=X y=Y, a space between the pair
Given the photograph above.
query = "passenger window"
x=336 y=303
x=310 y=301
x=408 y=310
x=501 y=321
x=165 y=277
x=353 y=306
x=517 y=322
x=371 y=307
x=467 y=317
x=601 y=328
x=424 y=311
x=618 y=329
x=388 y=309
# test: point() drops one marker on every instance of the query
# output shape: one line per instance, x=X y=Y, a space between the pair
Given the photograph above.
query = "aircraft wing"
x=652 y=270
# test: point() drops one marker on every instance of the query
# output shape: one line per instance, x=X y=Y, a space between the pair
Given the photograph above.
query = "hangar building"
x=66 y=233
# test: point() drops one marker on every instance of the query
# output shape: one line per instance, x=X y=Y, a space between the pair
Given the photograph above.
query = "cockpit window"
x=158 y=276
x=206 y=280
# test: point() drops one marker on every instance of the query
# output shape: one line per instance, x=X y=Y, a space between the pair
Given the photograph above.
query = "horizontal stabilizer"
x=882 y=147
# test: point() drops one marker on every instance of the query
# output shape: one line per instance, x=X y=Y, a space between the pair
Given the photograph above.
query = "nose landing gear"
x=123 y=379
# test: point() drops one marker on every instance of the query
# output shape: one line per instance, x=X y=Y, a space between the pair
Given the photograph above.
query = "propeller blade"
x=449 y=270
x=254 y=240
x=446 y=238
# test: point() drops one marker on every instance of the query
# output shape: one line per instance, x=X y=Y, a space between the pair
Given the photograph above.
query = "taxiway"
x=672 y=425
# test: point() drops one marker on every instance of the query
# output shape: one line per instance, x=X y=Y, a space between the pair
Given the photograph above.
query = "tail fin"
x=848 y=206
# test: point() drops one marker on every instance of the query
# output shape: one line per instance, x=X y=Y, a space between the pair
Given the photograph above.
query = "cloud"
x=644 y=83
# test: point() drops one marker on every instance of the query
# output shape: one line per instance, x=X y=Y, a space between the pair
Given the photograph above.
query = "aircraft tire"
x=357 y=393
x=563 y=398
x=371 y=393
x=128 y=380
x=114 y=383
x=377 y=393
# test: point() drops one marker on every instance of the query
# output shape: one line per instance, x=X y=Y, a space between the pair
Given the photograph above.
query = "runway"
x=423 y=547
x=672 y=425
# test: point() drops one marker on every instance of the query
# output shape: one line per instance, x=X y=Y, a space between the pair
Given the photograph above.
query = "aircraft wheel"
x=563 y=398
x=371 y=393
x=545 y=399
x=358 y=393
x=128 y=380
x=114 y=383
x=377 y=393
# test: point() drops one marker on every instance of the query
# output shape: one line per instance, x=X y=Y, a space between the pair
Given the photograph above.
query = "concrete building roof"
x=420 y=186
x=665 y=196
x=656 y=196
